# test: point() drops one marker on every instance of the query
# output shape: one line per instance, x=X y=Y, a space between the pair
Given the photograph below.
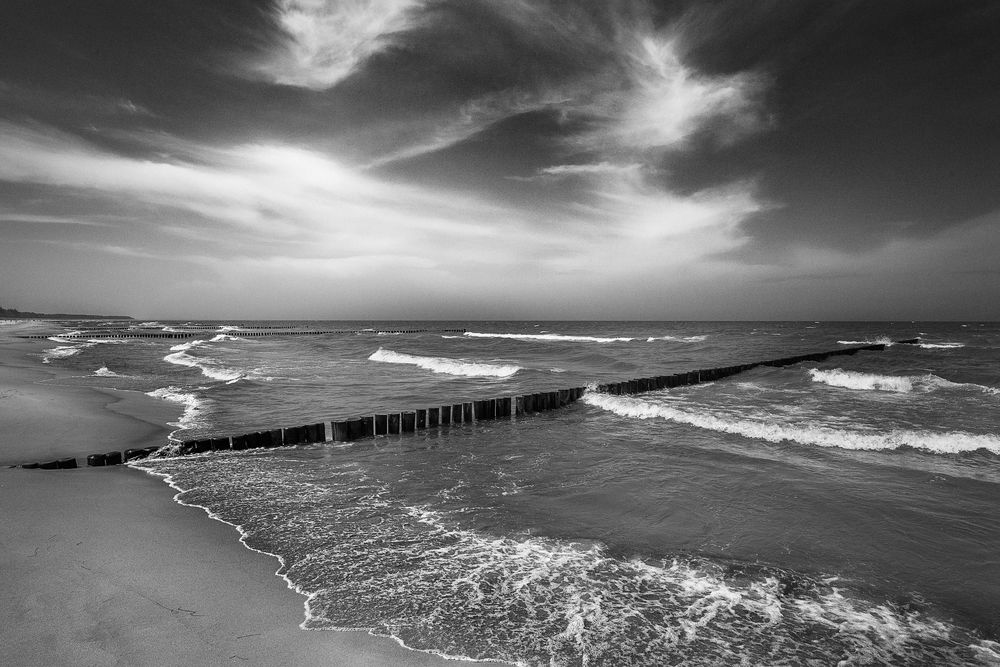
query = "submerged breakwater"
x=194 y=332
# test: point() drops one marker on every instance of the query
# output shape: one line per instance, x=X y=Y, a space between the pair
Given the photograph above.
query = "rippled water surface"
x=842 y=510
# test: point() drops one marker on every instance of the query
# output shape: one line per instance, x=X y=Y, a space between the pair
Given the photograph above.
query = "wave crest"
x=207 y=367
x=881 y=340
x=445 y=365
x=820 y=435
x=679 y=339
x=855 y=380
x=193 y=405
x=222 y=337
x=61 y=352
x=896 y=383
x=550 y=337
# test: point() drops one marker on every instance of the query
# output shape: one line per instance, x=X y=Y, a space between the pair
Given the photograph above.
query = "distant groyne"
x=270 y=331
x=437 y=416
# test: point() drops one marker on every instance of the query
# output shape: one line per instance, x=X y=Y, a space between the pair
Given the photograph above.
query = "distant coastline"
x=13 y=313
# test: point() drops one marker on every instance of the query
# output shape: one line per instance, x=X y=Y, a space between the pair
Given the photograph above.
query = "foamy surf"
x=893 y=383
x=106 y=372
x=855 y=380
x=193 y=405
x=952 y=442
x=445 y=365
x=550 y=337
x=209 y=368
x=223 y=337
x=881 y=340
x=527 y=599
x=678 y=339
x=61 y=352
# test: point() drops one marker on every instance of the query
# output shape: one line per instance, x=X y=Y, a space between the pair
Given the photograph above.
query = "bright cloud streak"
x=328 y=39
x=272 y=201
x=667 y=102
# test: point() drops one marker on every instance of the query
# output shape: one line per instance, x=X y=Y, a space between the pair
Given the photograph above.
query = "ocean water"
x=840 y=512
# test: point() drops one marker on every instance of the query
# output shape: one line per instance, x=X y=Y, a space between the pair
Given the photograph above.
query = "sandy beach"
x=100 y=565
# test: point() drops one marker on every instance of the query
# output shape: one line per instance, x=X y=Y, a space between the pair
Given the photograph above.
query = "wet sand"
x=100 y=565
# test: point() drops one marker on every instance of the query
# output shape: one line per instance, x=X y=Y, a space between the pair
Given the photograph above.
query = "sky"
x=501 y=159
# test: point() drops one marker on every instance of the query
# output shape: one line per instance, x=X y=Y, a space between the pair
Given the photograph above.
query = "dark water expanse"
x=846 y=510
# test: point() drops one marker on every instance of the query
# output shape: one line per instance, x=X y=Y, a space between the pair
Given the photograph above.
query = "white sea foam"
x=61 y=352
x=549 y=337
x=584 y=606
x=895 y=383
x=445 y=365
x=940 y=346
x=193 y=405
x=680 y=339
x=819 y=434
x=226 y=327
x=74 y=346
x=209 y=368
x=987 y=651
x=106 y=372
x=881 y=340
x=222 y=337
x=854 y=380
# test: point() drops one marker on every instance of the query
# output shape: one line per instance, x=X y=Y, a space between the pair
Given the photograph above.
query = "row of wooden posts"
x=411 y=421
x=241 y=334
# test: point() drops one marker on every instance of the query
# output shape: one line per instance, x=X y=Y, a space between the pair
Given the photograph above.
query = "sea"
x=842 y=512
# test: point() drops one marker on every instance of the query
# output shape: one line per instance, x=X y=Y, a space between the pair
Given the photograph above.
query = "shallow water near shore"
x=834 y=511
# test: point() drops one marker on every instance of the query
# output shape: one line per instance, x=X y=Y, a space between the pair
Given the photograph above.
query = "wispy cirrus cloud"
x=257 y=209
x=325 y=41
x=32 y=219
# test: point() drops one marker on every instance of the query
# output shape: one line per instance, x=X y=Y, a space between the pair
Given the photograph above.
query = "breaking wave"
x=222 y=337
x=940 y=346
x=895 y=383
x=208 y=367
x=106 y=372
x=368 y=560
x=818 y=434
x=445 y=365
x=680 y=339
x=193 y=405
x=881 y=340
x=550 y=337
x=61 y=352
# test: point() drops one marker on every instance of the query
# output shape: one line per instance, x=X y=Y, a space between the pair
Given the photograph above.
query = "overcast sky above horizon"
x=510 y=159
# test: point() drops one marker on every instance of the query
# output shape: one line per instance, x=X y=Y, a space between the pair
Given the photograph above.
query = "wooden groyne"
x=410 y=421
x=272 y=331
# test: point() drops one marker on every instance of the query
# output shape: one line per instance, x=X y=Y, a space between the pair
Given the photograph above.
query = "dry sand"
x=100 y=567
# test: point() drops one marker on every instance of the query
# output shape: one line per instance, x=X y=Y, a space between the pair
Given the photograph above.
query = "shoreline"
x=103 y=566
